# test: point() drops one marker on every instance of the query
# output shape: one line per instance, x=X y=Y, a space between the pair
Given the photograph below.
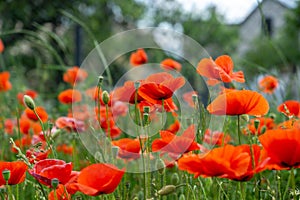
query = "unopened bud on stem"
x=28 y=101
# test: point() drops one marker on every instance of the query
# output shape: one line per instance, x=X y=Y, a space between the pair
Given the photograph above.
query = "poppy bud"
x=6 y=174
x=245 y=117
x=160 y=166
x=146 y=109
x=137 y=84
x=181 y=197
x=54 y=182
x=28 y=101
x=100 y=80
x=168 y=189
x=272 y=115
x=146 y=118
x=175 y=179
x=263 y=130
x=105 y=97
x=256 y=124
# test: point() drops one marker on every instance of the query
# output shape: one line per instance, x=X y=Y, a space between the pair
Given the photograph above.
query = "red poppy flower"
x=290 y=108
x=268 y=84
x=230 y=162
x=159 y=86
x=17 y=172
x=188 y=97
x=74 y=74
x=129 y=148
x=64 y=192
x=9 y=125
x=126 y=93
x=175 y=145
x=216 y=138
x=219 y=70
x=99 y=179
x=291 y=123
x=239 y=102
x=40 y=111
x=282 y=146
x=61 y=194
x=69 y=96
x=170 y=64
x=70 y=124
x=1 y=46
x=5 y=85
x=174 y=128
x=65 y=149
x=46 y=170
x=266 y=122
x=138 y=58
x=79 y=112
x=34 y=156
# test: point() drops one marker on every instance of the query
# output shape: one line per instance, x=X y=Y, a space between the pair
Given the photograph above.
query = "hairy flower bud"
x=105 y=97
x=28 y=101
x=54 y=183
x=168 y=189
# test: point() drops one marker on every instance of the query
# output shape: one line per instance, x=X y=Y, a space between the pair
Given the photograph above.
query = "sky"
x=234 y=11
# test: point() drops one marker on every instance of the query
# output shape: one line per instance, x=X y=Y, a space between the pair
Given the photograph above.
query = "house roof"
x=257 y=8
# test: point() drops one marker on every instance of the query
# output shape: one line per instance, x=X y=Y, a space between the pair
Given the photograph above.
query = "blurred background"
x=263 y=37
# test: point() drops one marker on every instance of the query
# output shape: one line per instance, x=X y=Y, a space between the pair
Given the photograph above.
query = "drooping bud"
x=160 y=166
x=6 y=174
x=168 y=189
x=256 y=124
x=175 y=179
x=54 y=183
x=105 y=97
x=28 y=101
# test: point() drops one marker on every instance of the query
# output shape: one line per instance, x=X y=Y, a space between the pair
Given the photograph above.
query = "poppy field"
x=162 y=136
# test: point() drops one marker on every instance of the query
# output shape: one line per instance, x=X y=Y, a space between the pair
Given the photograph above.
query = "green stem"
x=44 y=133
x=9 y=191
x=293 y=183
x=242 y=190
x=287 y=186
x=238 y=129
x=278 y=178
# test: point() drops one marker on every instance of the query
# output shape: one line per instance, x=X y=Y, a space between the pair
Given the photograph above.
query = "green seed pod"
x=146 y=109
x=256 y=124
x=140 y=195
x=28 y=101
x=263 y=130
x=105 y=97
x=54 y=183
x=6 y=174
x=175 y=179
x=168 y=189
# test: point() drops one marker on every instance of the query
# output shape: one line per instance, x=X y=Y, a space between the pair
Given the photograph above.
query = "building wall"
x=252 y=27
